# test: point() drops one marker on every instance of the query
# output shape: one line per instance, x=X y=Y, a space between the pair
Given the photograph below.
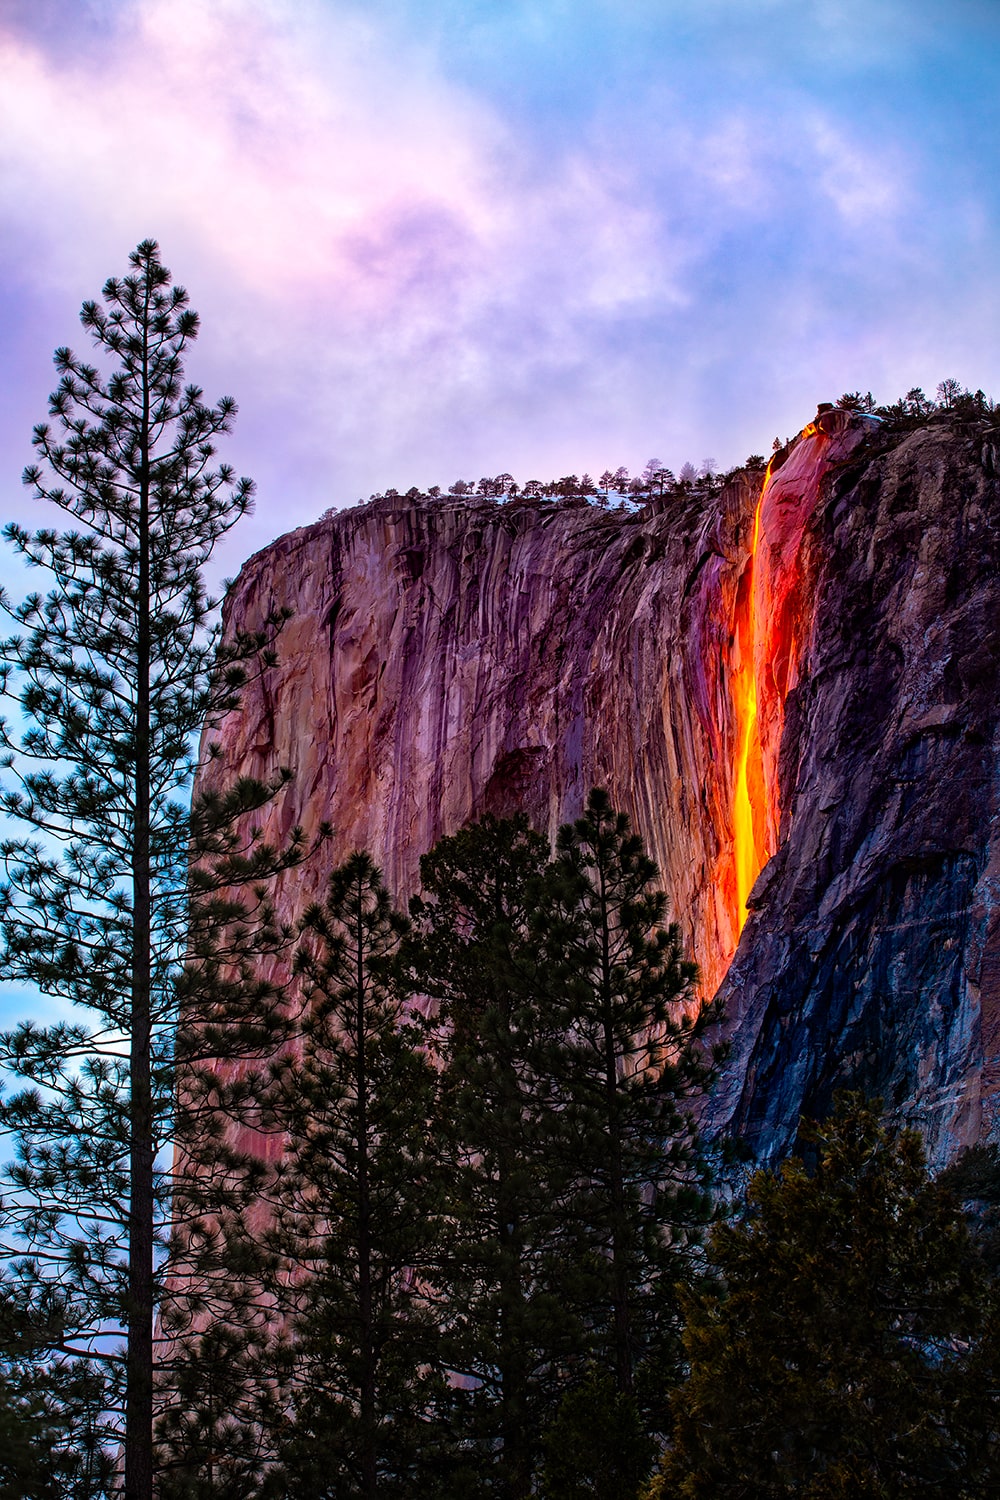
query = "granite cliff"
x=793 y=692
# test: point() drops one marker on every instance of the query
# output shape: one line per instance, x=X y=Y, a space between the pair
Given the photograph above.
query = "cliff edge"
x=793 y=691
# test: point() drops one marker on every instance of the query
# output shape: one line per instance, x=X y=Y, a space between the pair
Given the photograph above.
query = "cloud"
x=865 y=187
x=407 y=272
x=298 y=162
x=292 y=153
x=259 y=144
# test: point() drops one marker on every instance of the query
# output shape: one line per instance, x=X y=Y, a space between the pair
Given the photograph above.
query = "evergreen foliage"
x=974 y=1179
x=633 y=1054
x=501 y=1274
x=627 y=493
x=53 y=1439
x=615 y=488
x=915 y=409
x=27 y=1433
x=849 y=1345
x=215 y=1434
x=356 y=1208
x=115 y=670
x=597 y=1448
x=24 y=1474
x=569 y=1041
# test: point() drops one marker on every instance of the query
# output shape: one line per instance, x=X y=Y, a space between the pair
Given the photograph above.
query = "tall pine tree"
x=355 y=1196
x=115 y=668
x=847 y=1343
x=478 y=956
x=634 y=1055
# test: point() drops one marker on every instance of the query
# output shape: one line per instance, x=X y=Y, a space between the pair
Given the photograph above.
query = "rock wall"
x=871 y=955
x=453 y=658
x=445 y=659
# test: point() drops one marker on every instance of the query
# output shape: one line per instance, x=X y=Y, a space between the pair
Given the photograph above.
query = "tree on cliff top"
x=115 y=670
x=849 y=1347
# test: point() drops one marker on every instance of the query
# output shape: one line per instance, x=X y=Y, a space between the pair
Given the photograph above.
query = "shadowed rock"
x=872 y=953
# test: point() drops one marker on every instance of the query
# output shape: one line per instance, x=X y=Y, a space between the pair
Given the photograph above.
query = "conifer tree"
x=355 y=1202
x=848 y=1343
x=633 y=1056
x=476 y=953
x=26 y=1431
x=597 y=1447
x=116 y=668
x=51 y=1432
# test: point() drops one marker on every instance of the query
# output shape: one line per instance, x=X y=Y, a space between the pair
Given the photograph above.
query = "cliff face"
x=804 y=681
x=449 y=659
x=872 y=951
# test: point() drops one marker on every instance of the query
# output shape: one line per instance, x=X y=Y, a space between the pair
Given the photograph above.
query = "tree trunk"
x=369 y=1452
x=139 y=1358
x=620 y=1231
x=516 y=1458
x=515 y=1448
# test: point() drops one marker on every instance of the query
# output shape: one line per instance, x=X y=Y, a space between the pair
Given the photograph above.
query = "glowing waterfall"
x=749 y=814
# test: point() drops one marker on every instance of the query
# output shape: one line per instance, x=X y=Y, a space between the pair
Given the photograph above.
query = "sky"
x=447 y=239
x=433 y=240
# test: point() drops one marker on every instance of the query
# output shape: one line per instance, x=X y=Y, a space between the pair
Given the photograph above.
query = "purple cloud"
x=450 y=242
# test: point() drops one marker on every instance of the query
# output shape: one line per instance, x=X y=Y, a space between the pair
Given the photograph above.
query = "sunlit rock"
x=812 y=714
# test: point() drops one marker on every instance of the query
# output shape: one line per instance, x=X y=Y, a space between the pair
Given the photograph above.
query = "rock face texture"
x=802 y=683
x=449 y=659
x=871 y=954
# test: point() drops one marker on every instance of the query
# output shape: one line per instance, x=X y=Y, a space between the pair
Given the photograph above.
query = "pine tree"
x=974 y=1179
x=216 y=1437
x=477 y=955
x=217 y=1396
x=26 y=1432
x=597 y=1447
x=51 y=1441
x=115 y=668
x=355 y=1202
x=849 y=1344
x=633 y=1056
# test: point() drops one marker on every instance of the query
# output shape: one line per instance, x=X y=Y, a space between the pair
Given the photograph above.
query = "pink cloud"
x=258 y=143
x=403 y=279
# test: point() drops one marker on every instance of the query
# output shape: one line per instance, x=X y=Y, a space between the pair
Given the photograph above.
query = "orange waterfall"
x=749 y=796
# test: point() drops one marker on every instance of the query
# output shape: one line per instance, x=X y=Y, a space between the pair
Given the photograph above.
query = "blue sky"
x=449 y=239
